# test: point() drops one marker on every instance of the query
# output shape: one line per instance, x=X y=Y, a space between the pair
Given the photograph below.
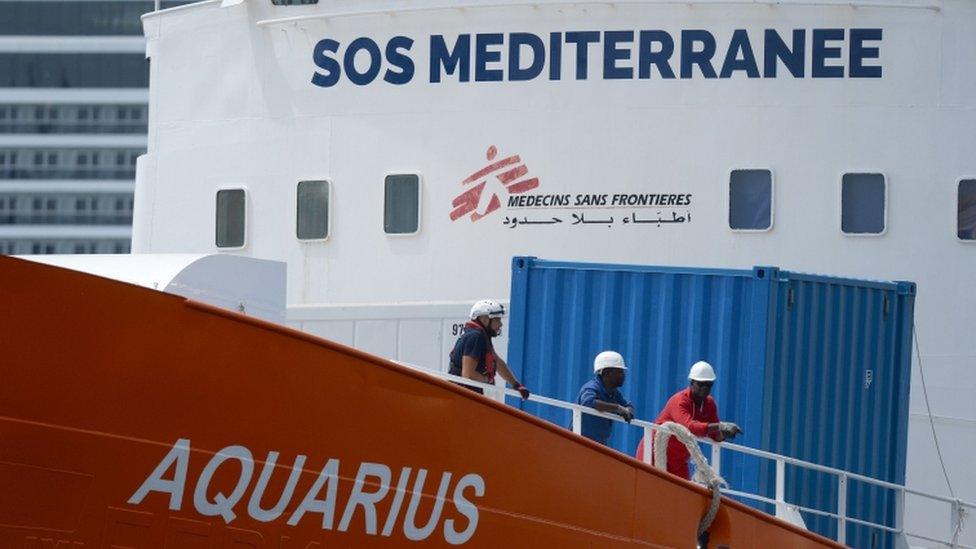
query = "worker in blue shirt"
x=601 y=393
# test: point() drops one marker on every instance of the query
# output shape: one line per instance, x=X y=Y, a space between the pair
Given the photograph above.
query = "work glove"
x=523 y=391
x=728 y=429
x=625 y=413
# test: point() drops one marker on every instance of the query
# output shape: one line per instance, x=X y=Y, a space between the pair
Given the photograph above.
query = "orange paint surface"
x=127 y=417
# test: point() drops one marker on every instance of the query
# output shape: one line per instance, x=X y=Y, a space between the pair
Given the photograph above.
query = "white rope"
x=704 y=474
x=928 y=409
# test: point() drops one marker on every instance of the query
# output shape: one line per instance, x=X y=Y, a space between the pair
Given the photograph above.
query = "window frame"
x=420 y=202
x=840 y=203
x=247 y=215
x=328 y=211
x=772 y=199
x=955 y=226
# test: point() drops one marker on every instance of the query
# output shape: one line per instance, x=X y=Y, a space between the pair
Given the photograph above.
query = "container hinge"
x=790 y=298
x=887 y=305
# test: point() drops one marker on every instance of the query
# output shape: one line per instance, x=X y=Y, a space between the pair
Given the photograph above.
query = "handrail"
x=932 y=6
x=843 y=477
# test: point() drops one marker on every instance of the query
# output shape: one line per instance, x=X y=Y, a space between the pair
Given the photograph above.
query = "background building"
x=73 y=116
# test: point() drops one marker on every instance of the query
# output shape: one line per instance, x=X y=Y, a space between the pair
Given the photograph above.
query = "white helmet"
x=701 y=371
x=487 y=307
x=608 y=359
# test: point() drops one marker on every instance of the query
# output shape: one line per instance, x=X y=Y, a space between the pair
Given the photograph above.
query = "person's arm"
x=719 y=430
x=508 y=376
x=613 y=408
x=683 y=414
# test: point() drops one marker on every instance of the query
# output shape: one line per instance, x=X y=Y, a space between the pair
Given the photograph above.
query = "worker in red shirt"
x=696 y=410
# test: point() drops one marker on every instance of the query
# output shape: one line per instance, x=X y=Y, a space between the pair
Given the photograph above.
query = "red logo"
x=500 y=178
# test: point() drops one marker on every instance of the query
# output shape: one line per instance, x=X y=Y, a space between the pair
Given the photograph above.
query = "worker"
x=601 y=393
x=473 y=355
x=696 y=410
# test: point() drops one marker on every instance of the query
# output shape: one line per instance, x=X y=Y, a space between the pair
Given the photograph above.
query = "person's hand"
x=728 y=429
x=523 y=391
x=626 y=413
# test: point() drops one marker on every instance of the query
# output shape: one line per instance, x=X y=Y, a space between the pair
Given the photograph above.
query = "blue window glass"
x=88 y=18
x=863 y=203
x=966 y=228
x=230 y=218
x=751 y=200
x=73 y=70
x=401 y=211
x=313 y=210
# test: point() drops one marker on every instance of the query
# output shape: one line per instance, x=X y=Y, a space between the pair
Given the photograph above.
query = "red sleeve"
x=682 y=412
x=711 y=415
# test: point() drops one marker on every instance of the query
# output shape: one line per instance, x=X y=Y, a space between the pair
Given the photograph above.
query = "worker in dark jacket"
x=601 y=393
x=695 y=409
x=473 y=355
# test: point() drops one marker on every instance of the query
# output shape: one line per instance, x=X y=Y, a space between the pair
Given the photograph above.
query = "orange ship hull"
x=133 y=418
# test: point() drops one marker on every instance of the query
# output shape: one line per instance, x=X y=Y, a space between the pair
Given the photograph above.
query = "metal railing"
x=958 y=509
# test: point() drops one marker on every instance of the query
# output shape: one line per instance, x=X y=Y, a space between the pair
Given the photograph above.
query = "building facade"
x=73 y=118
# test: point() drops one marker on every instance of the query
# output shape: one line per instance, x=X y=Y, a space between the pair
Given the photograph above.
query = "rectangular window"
x=313 y=210
x=751 y=200
x=862 y=207
x=230 y=218
x=966 y=220
x=89 y=18
x=81 y=204
x=401 y=211
x=74 y=70
x=293 y=2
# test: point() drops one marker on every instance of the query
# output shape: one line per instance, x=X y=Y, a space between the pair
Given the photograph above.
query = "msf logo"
x=492 y=184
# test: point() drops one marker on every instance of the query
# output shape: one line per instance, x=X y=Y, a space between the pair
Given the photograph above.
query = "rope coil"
x=704 y=474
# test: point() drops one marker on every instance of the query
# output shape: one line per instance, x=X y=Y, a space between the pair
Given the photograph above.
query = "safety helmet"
x=489 y=308
x=608 y=359
x=701 y=371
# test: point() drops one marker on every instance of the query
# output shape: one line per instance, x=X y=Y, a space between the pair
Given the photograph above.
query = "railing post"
x=499 y=391
x=780 y=482
x=577 y=421
x=648 y=444
x=901 y=541
x=842 y=509
x=954 y=522
x=717 y=457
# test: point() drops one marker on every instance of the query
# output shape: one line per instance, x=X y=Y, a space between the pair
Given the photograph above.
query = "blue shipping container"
x=813 y=367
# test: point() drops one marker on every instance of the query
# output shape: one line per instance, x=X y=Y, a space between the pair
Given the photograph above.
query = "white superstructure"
x=345 y=139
